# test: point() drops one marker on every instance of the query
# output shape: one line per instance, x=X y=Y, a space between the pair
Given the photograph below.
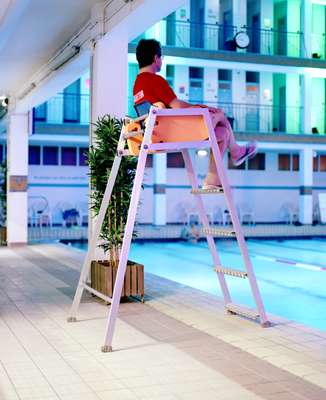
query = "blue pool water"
x=291 y=274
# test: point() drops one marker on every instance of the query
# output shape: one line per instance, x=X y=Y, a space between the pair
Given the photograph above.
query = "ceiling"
x=31 y=31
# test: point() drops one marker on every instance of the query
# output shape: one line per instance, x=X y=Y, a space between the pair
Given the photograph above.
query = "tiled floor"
x=178 y=345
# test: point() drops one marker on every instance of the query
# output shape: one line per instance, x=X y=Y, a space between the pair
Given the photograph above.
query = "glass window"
x=257 y=162
x=71 y=102
x=68 y=156
x=175 y=160
x=50 y=155
x=232 y=166
x=34 y=155
x=40 y=112
x=322 y=163
x=1 y=153
x=284 y=162
x=83 y=151
x=295 y=162
x=252 y=77
x=224 y=75
x=195 y=72
x=149 y=161
x=315 y=163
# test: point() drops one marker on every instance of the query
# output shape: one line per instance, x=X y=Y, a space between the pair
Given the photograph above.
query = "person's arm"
x=177 y=103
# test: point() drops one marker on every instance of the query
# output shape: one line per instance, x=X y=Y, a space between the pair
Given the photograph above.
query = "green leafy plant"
x=3 y=192
x=100 y=160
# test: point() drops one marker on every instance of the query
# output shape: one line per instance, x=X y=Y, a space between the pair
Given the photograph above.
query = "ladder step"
x=132 y=134
x=231 y=271
x=219 y=232
x=97 y=293
x=207 y=191
x=242 y=310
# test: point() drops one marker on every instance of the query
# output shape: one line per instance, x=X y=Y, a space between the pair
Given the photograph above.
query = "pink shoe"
x=250 y=152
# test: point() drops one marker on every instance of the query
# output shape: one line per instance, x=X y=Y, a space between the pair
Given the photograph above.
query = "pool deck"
x=179 y=345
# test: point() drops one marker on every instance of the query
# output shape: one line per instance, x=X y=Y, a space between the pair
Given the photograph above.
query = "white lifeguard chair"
x=170 y=130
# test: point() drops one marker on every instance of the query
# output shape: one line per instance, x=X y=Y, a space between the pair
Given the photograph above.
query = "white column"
x=239 y=97
x=306 y=101
x=210 y=85
x=17 y=156
x=306 y=21
x=159 y=189
x=109 y=75
x=306 y=183
x=239 y=8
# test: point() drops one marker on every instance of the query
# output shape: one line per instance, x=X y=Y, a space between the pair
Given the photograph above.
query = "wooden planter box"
x=3 y=235
x=103 y=276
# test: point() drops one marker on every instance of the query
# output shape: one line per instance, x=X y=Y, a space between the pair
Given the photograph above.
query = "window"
x=284 y=162
x=34 y=155
x=83 y=151
x=175 y=160
x=322 y=163
x=232 y=166
x=295 y=162
x=149 y=161
x=257 y=162
x=50 y=155
x=224 y=75
x=71 y=102
x=68 y=156
x=288 y=162
x=196 y=73
x=252 y=77
x=1 y=153
x=315 y=163
x=40 y=112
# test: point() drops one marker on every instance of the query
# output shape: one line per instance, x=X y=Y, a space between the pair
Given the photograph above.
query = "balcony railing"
x=220 y=37
x=64 y=108
x=259 y=118
x=254 y=118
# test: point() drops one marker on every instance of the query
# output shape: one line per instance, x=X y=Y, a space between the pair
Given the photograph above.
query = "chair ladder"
x=145 y=148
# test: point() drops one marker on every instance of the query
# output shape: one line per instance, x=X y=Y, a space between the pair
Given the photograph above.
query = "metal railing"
x=260 y=118
x=220 y=37
x=64 y=108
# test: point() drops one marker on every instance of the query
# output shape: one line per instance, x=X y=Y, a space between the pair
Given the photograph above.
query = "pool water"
x=291 y=274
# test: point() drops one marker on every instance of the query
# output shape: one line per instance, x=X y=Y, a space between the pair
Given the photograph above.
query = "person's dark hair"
x=146 y=50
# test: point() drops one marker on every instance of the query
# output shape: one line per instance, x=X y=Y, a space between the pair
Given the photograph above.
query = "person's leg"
x=226 y=140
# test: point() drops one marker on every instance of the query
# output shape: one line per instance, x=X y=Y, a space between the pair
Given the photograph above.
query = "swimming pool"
x=291 y=274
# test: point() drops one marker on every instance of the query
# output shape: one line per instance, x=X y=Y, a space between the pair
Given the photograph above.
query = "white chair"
x=289 y=213
x=246 y=213
x=39 y=212
x=83 y=210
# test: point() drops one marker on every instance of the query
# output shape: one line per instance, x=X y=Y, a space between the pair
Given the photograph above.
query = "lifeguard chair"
x=170 y=130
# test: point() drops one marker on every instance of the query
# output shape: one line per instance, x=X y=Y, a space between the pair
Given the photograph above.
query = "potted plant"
x=100 y=160
x=3 y=202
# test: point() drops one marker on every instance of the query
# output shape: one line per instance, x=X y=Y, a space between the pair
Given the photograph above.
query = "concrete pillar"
x=159 y=189
x=306 y=100
x=84 y=99
x=239 y=97
x=212 y=10
x=17 y=156
x=210 y=85
x=109 y=75
x=306 y=21
x=306 y=183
